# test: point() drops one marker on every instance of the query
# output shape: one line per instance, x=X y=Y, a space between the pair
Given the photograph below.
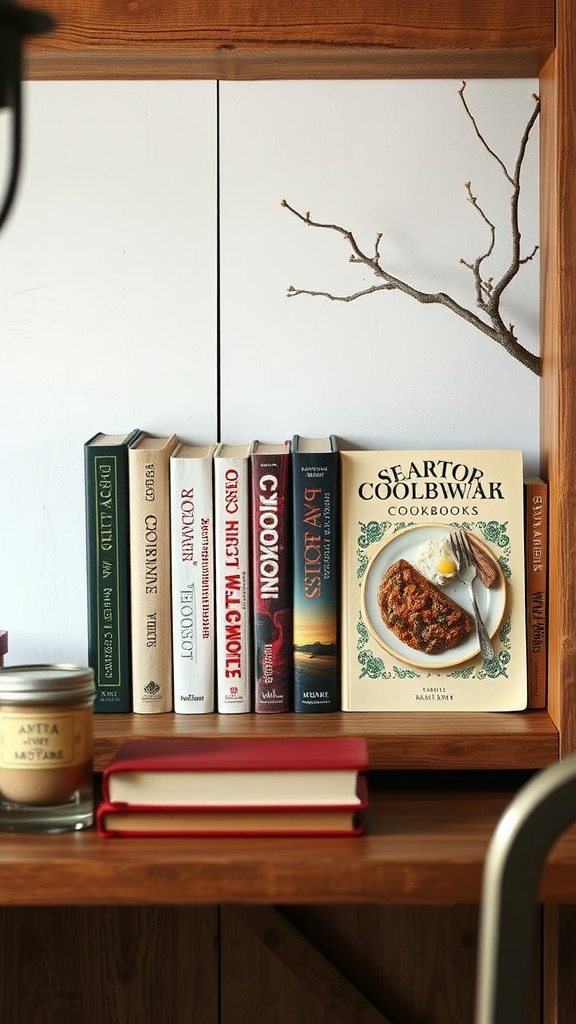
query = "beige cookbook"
x=433 y=580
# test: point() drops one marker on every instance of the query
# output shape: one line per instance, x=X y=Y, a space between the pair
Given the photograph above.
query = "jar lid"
x=56 y=683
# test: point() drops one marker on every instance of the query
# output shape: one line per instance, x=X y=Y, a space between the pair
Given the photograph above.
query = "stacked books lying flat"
x=235 y=787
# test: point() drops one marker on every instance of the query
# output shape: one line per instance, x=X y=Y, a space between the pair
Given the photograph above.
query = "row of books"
x=228 y=786
x=212 y=574
x=299 y=576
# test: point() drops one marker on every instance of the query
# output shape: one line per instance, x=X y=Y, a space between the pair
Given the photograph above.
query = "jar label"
x=45 y=739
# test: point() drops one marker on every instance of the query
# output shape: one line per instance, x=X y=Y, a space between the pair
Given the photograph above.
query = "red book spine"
x=271 y=578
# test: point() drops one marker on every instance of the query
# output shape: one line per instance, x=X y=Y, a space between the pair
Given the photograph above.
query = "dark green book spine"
x=316 y=528
x=108 y=572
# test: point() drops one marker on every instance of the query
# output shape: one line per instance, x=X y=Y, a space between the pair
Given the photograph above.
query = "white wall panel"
x=107 y=321
x=108 y=290
x=390 y=157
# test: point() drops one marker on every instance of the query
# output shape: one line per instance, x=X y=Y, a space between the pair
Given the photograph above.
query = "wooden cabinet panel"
x=121 y=964
x=415 y=964
x=292 y=965
x=352 y=964
x=259 y=985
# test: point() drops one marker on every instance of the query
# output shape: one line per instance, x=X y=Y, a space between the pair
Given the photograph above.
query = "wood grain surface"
x=416 y=740
x=298 y=39
x=95 y=965
x=420 y=848
x=558 y=421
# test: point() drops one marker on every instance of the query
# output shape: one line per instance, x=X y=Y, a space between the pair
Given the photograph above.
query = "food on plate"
x=435 y=560
x=419 y=613
x=486 y=568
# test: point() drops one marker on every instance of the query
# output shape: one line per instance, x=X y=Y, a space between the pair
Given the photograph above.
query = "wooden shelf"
x=297 y=39
x=423 y=847
x=420 y=848
x=526 y=739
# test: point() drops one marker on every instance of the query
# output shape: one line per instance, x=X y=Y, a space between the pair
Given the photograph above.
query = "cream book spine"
x=151 y=618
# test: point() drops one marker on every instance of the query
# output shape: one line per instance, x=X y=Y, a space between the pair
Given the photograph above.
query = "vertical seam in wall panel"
x=218 y=268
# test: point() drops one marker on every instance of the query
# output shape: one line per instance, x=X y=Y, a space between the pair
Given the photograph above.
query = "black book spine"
x=108 y=573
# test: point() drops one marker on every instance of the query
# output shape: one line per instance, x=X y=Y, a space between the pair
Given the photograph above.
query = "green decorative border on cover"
x=373 y=665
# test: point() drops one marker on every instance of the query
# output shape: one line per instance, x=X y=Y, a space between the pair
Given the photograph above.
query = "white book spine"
x=232 y=580
x=192 y=564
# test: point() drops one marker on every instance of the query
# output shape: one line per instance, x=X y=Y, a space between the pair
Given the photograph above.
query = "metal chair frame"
x=535 y=818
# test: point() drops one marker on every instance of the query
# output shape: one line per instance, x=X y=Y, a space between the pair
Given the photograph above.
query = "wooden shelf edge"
x=516 y=740
x=298 y=39
x=271 y=62
x=420 y=848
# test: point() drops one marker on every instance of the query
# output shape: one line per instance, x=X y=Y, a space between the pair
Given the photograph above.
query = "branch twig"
x=488 y=292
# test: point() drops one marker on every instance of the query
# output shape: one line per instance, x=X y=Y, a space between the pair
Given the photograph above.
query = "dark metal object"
x=537 y=816
x=16 y=24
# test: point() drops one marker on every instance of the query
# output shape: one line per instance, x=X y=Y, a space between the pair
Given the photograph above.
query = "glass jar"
x=46 y=748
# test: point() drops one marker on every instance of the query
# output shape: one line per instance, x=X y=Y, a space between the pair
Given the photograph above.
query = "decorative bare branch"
x=488 y=292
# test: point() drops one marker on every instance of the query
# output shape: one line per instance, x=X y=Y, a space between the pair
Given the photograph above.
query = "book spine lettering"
x=536 y=526
x=192 y=552
x=315 y=582
x=108 y=577
x=151 y=615
x=271 y=583
x=233 y=600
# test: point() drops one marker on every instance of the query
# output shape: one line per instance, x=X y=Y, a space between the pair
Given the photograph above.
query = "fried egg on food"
x=435 y=560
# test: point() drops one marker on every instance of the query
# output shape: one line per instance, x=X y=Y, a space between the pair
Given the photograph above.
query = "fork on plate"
x=468 y=573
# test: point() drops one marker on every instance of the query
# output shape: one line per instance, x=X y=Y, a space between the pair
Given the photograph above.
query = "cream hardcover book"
x=411 y=640
x=151 y=606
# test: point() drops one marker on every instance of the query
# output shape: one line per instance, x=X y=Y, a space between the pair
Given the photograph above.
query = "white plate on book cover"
x=405 y=544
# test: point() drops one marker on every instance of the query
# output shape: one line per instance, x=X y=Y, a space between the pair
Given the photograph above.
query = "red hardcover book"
x=229 y=771
x=271 y=576
x=308 y=820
